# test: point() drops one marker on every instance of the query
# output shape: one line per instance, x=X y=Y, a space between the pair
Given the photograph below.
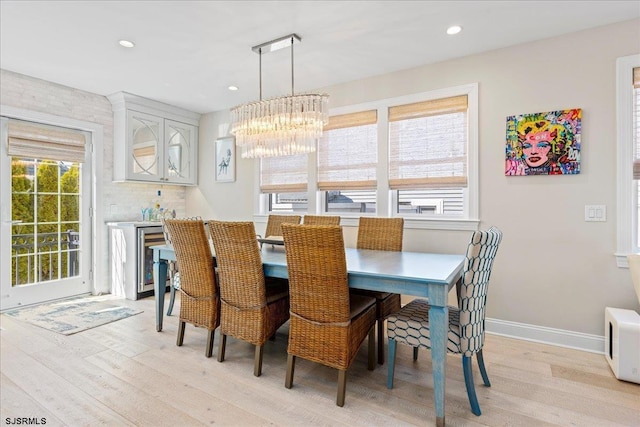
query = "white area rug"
x=73 y=316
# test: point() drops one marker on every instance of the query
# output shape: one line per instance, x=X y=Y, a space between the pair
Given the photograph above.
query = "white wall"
x=554 y=269
x=121 y=201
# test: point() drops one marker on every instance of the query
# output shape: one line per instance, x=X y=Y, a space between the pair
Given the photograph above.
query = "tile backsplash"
x=124 y=201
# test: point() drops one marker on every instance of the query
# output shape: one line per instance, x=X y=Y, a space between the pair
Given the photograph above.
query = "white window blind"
x=348 y=153
x=33 y=140
x=636 y=122
x=283 y=174
x=428 y=144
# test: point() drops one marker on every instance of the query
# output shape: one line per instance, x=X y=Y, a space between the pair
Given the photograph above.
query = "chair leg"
x=291 y=364
x=257 y=361
x=342 y=386
x=483 y=371
x=172 y=299
x=380 y=323
x=210 y=337
x=181 y=326
x=391 y=362
x=468 y=382
x=415 y=353
x=372 y=349
x=222 y=347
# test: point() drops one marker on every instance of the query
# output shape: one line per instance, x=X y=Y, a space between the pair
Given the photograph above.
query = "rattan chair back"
x=382 y=234
x=252 y=308
x=199 y=300
x=174 y=274
x=239 y=264
x=317 y=267
x=199 y=297
x=321 y=220
x=274 y=224
x=328 y=325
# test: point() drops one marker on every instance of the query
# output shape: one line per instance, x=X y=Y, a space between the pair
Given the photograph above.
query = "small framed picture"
x=225 y=159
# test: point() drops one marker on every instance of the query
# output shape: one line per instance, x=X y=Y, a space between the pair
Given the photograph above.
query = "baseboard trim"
x=544 y=335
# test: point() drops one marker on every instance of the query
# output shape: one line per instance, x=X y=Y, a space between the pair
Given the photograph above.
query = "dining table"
x=429 y=275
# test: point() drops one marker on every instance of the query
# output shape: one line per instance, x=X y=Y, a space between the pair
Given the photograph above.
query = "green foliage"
x=22 y=193
x=70 y=199
x=54 y=207
x=22 y=209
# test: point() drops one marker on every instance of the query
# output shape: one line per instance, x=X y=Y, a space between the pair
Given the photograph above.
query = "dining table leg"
x=159 y=286
x=438 y=317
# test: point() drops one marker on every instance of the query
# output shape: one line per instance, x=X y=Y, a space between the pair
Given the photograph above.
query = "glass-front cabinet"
x=145 y=142
x=153 y=142
x=179 y=162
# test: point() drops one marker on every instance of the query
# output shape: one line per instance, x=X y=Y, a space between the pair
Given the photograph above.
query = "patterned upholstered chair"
x=382 y=234
x=321 y=220
x=199 y=298
x=328 y=325
x=466 y=322
x=252 y=308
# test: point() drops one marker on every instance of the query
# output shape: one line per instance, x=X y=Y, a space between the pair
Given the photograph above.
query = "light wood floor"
x=125 y=373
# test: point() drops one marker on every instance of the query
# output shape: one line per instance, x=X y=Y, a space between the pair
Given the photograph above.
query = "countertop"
x=134 y=223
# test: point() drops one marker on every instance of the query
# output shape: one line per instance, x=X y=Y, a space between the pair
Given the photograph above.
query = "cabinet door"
x=145 y=142
x=181 y=144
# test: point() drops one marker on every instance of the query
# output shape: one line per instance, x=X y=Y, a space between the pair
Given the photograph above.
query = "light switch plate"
x=596 y=213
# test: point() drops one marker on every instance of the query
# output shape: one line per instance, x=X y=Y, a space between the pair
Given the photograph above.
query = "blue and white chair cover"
x=410 y=325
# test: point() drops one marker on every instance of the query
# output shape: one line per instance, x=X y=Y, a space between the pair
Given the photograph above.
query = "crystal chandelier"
x=282 y=126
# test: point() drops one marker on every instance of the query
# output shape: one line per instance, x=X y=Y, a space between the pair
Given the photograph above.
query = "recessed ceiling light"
x=454 y=29
x=233 y=87
x=126 y=43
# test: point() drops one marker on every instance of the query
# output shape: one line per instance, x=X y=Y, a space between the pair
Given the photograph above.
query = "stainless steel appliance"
x=147 y=237
x=131 y=257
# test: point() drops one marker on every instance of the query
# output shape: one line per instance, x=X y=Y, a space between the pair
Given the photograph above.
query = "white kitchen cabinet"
x=153 y=141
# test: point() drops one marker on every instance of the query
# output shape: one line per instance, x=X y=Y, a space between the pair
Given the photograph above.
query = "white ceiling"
x=188 y=52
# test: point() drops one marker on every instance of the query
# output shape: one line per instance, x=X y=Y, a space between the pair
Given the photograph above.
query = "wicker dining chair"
x=274 y=224
x=252 y=308
x=382 y=234
x=410 y=325
x=199 y=298
x=321 y=220
x=328 y=325
x=172 y=268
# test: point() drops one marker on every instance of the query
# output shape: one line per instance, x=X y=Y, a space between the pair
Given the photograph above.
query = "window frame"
x=627 y=218
x=386 y=199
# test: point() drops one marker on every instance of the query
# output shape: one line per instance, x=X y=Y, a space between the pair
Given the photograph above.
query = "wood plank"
x=126 y=373
x=174 y=393
x=138 y=406
x=16 y=402
x=53 y=392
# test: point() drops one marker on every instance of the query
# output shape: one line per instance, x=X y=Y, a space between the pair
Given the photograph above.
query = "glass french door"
x=45 y=233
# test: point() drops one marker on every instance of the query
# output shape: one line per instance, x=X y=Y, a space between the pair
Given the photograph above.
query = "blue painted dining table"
x=429 y=275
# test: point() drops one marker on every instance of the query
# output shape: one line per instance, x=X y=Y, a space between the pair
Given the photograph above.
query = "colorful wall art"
x=544 y=143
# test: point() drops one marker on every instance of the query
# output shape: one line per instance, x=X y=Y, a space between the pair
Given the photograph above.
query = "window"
x=413 y=156
x=428 y=156
x=45 y=201
x=284 y=180
x=347 y=163
x=628 y=121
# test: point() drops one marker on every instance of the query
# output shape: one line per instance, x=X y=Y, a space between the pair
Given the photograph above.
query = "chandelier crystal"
x=282 y=126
